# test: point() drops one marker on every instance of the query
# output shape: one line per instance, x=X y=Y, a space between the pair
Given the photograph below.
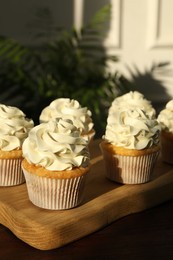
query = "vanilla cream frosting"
x=68 y=109
x=56 y=145
x=14 y=127
x=165 y=117
x=133 y=99
x=132 y=128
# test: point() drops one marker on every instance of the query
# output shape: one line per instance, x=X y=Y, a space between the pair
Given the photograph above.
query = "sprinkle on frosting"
x=56 y=145
x=68 y=109
x=14 y=127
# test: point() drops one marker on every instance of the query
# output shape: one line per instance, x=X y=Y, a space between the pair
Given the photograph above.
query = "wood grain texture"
x=104 y=202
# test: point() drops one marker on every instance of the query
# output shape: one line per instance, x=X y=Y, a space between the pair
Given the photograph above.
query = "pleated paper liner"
x=11 y=173
x=128 y=169
x=55 y=194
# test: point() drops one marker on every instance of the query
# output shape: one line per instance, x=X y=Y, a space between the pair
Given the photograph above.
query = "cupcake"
x=70 y=109
x=165 y=118
x=13 y=131
x=55 y=165
x=131 y=145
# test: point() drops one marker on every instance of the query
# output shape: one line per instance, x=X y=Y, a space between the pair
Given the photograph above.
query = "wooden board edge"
x=144 y=197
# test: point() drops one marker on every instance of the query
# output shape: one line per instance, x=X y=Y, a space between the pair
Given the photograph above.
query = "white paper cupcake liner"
x=11 y=173
x=130 y=169
x=54 y=194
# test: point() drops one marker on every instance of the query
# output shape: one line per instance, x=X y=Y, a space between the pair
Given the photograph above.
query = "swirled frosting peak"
x=132 y=128
x=133 y=99
x=56 y=145
x=14 y=127
x=69 y=109
x=165 y=117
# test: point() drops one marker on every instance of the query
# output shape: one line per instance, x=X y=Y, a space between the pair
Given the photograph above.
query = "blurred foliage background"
x=67 y=63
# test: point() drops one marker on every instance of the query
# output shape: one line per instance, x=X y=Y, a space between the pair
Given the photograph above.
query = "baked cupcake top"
x=132 y=128
x=165 y=117
x=68 y=109
x=133 y=99
x=56 y=145
x=14 y=127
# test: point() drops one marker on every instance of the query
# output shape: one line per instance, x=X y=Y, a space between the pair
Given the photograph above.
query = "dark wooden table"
x=146 y=235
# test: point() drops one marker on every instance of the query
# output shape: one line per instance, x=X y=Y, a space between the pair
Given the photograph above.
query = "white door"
x=141 y=34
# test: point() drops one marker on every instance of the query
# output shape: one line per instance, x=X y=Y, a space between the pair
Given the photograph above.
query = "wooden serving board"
x=104 y=202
